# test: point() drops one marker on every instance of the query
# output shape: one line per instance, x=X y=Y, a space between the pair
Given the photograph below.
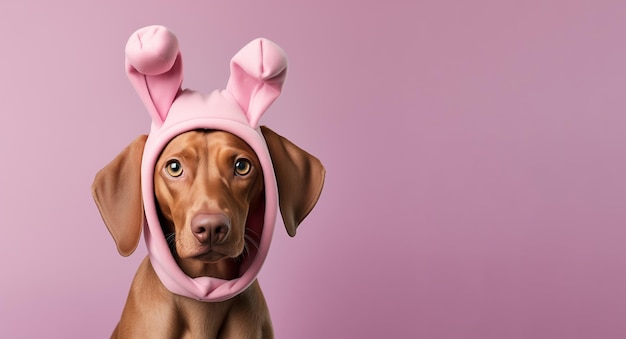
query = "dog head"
x=125 y=190
x=207 y=185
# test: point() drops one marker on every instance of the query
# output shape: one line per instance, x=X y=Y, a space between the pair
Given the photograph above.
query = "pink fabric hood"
x=154 y=67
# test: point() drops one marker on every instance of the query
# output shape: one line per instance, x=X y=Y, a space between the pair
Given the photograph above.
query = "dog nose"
x=210 y=227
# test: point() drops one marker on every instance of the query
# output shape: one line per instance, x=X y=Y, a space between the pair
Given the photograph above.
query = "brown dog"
x=206 y=183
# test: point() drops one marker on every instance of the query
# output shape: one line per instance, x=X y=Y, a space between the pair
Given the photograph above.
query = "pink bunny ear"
x=154 y=67
x=257 y=74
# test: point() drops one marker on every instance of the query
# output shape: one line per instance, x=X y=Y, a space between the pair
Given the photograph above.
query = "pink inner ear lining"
x=273 y=59
x=265 y=94
x=261 y=59
x=258 y=72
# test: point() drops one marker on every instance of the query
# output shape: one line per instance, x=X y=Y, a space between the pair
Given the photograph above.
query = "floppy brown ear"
x=300 y=178
x=117 y=192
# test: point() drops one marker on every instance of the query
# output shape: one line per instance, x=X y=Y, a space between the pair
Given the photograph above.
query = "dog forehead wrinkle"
x=176 y=148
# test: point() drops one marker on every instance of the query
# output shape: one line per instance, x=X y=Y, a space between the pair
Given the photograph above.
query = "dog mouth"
x=208 y=255
x=203 y=253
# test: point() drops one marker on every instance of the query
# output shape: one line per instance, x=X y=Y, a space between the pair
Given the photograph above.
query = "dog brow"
x=184 y=152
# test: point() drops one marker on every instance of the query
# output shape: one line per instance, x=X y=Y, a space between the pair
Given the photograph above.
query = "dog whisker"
x=171 y=241
x=249 y=240
x=252 y=232
x=244 y=253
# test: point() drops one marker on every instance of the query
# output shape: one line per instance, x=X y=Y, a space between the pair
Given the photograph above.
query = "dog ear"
x=300 y=178
x=117 y=192
x=154 y=68
x=257 y=74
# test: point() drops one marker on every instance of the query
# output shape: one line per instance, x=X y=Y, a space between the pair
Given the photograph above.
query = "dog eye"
x=174 y=168
x=242 y=167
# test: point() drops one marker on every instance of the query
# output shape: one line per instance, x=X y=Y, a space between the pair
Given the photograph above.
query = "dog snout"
x=210 y=227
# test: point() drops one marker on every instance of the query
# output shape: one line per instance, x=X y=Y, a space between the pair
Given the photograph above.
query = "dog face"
x=206 y=183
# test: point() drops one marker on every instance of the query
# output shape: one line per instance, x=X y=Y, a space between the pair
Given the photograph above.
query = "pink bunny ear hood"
x=154 y=67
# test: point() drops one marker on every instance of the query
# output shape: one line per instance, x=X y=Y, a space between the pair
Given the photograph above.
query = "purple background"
x=475 y=153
